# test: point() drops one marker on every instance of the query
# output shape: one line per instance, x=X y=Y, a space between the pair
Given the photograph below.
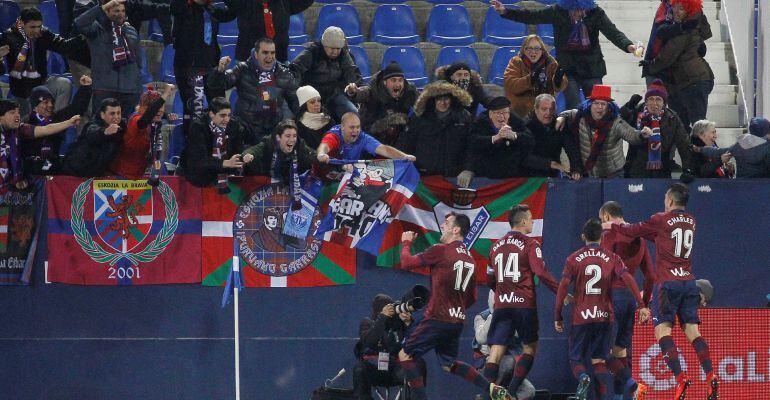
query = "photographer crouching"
x=380 y=340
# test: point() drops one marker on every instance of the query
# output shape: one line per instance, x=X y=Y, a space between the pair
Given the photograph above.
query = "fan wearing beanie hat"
x=651 y=159
x=385 y=103
x=312 y=120
x=759 y=127
x=306 y=93
x=328 y=66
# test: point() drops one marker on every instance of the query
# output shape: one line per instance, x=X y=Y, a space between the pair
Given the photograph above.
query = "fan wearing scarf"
x=576 y=27
x=24 y=45
x=12 y=131
x=196 y=26
x=266 y=89
x=282 y=156
x=600 y=131
x=142 y=131
x=214 y=145
x=653 y=158
x=114 y=47
x=461 y=75
x=41 y=155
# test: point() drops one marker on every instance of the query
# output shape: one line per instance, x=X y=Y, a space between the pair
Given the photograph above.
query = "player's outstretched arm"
x=645 y=229
x=559 y=304
x=540 y=270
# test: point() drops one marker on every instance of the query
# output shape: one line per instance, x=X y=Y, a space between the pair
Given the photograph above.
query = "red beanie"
x=656 y=88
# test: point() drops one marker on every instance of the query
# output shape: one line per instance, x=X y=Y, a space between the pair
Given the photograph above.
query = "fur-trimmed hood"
x=441 y=71
x=440 y=88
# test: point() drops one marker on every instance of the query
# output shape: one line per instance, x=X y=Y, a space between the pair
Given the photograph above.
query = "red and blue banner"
x=366 y=202
x=123 y=232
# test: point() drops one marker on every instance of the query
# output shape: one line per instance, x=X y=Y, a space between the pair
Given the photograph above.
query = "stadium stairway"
x=633 y=17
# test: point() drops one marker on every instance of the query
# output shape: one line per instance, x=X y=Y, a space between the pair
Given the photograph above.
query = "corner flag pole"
x=237 y=271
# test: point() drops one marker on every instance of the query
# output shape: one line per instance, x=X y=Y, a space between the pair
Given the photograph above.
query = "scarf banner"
x=123 y=232
x=487 y=208
x=275 y=243
x=20 y=214
x=366 y=202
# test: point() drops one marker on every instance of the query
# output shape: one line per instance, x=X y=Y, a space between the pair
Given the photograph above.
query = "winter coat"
x=703 y=166
x=199 y=166
x=133 y=156
x=439 y=144
x=312 y=137
x=263 y=159
x=190 y=48
x=96 y=27
x=49 y=41
x=312 y=67
x=251 y=100
x=251 y=24
x=518 y=86
x=93 y=151
x=580 y=65
x=671 y=29
x=672 y=133
x=611 y=158
x=546 y=146
x=382 y=116
x=751 y=153
x=476 y=89
x=32 y=149
x=502 y=159
x=680 y=63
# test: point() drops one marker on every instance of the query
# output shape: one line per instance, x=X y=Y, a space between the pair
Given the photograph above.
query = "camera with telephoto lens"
x=415 y=299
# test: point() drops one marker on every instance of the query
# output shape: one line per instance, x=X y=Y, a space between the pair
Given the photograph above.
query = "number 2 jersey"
x=516 y=259
x=452 y=279
x=674 y=234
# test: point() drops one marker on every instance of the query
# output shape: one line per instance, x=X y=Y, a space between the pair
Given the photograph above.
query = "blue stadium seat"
x=50 y=16
x=411 y=60
x=70 y=135
x=167 y=65
x=387 y=1
x=545 y=31
x=178 y=108
x=176 y=145
x=502 y=32
x=154 y=32
x=499 y=62
x=394 y=24
x=56 y=64
x=344 y=16
x=445 y=1
x=9 y=11
x=228 y=32
x=294 y=51
x=452 y=54
x=362 y=62
x=233 y=98
x=143 y=64
x=297 y=33
x=450 y=25
x=552 y=52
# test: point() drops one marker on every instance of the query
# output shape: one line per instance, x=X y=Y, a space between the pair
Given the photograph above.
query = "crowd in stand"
x=291 y=117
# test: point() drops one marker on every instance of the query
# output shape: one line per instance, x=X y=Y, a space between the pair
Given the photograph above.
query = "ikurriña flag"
x=274 y=241
x=487 y=207
x=366 y=202
x=123 y=232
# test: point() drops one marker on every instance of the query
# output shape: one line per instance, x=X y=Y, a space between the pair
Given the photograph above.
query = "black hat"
x=392 y=70
x=38 y=95
x=454 y=68
x=498 y=103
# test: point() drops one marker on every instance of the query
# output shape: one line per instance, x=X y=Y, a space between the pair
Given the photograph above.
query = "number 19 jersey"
x=453 y=282
x=516 y=258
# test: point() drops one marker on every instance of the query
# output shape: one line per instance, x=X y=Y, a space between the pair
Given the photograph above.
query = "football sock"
x=470 y=374
x=704 y=356
x=523 y=366
x=414 y=378
x=490 y=371
x=671 y=354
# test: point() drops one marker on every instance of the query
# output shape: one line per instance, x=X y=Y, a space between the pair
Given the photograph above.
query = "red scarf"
x=269 y=27
x=601 y=130
x=24 y=67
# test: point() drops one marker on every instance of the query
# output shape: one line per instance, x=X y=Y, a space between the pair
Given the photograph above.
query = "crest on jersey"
x=263 y=240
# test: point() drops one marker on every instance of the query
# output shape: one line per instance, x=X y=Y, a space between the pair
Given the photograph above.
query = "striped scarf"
x=654 y=147
x=24 y=67
x=121 y=53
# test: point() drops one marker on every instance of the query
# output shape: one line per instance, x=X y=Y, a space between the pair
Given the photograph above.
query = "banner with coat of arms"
x=275 y=241
x=123 y=232
x=20 y=213
x=487 y=207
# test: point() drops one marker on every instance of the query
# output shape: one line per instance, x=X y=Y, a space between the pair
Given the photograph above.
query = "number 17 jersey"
x=516 y=258
x=452 y=279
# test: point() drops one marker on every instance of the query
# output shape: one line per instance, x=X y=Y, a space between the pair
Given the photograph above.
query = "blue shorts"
x=506 y=322
x=590 y=341
x=443 y=337
x=624 y=305
x=674 y=299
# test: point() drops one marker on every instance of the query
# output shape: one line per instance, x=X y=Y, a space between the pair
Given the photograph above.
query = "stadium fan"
x=282 y=156
x=462 y=76
x=531 y=73
x=498 y=142
x=313 y=120
x=544 y=159
x=704 y=134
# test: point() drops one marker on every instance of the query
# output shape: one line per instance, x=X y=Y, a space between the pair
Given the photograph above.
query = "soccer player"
x=675 y=291
x=453 y=284
x=592 y=269
x=634 y=253
x=516 y=259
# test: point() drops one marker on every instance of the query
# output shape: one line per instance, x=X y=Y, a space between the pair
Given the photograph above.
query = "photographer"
x=377 y=350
